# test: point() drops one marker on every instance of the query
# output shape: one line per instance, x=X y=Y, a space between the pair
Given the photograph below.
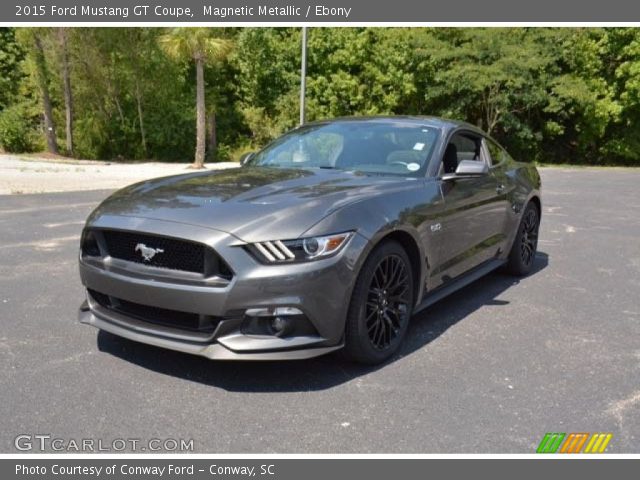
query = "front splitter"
x=212 y=351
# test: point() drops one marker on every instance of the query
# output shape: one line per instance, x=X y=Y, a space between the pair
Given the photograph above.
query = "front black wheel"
x=381 y=305
x=525 y=245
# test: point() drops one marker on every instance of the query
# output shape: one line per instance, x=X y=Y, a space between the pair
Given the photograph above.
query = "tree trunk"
x=200 y=114
x=213 y=136
x=143 y=137
x=68 y=98
x=43 y=81
x=135 y=39
x=115 y=96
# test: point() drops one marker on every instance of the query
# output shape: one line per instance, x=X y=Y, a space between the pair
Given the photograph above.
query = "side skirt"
x=462 y=281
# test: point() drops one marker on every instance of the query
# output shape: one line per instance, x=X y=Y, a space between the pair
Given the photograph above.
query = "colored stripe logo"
x=598 y=443
x=550 y=443
x=574 y=443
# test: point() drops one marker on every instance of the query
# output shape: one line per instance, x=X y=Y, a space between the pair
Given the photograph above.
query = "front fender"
x=404 y=215
x=527 y=188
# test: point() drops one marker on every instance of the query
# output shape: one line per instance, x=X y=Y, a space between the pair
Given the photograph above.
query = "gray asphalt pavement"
x=490 y=369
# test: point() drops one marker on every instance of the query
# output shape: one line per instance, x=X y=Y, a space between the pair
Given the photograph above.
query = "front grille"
x=155 y=315
x=169 y=252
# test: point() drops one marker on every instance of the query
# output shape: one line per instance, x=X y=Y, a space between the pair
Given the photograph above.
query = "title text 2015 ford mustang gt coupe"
x=332 y=236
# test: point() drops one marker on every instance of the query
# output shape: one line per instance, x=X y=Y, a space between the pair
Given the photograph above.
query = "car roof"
x=436 y=122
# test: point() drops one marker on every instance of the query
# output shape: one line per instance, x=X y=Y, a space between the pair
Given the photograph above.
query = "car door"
x=473 y=211
x=500 y=168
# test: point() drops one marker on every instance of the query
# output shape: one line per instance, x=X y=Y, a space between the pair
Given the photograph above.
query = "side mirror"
x=245 y=157
x=468 y=168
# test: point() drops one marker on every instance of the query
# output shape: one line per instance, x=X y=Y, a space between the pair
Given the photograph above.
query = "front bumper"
x=320 y=289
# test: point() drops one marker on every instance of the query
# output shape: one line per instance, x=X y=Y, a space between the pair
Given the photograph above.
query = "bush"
x=16 y=130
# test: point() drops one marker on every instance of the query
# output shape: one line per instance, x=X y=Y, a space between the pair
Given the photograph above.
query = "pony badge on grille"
x=147 y=252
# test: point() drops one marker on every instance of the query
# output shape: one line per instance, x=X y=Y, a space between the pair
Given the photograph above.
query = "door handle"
x=500 y=189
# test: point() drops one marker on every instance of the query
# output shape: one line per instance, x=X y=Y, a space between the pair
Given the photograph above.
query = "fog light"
x=278 y=321
x=281 y=326
x=270 y=312
x=286 y=311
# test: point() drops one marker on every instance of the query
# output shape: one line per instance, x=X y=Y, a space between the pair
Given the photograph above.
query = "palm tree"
x=199 y=45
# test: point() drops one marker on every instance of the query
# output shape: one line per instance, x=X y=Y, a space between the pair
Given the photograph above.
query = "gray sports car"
x=330 y=237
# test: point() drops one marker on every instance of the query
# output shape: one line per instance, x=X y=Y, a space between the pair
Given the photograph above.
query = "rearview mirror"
x=245 y=157
x=468 y=168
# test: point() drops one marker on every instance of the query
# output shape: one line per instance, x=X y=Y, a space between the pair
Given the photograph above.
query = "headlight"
x=299 y=250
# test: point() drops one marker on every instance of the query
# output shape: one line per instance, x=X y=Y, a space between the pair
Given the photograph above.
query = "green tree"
x=131 y=101
x=198 y=45
x=624 y=139
x=268 y=63
x=548 y=94
x=11 y=73
x=358 y=71
x=33 y=41
x=351 y=71
x=493 y=78
x=63 y=35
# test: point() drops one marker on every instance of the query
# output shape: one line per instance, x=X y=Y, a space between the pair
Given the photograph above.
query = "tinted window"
x=498 y=155
x=466 y=147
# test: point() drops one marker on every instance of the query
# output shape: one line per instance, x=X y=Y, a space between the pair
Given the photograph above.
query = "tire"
x=380 y=307
x=523 y=252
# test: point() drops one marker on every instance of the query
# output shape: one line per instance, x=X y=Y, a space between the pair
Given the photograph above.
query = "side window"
x=462 y=146
x=467 y=147
x=498 y=155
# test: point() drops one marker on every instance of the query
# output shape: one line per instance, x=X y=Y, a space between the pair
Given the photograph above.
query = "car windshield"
x=393 y=148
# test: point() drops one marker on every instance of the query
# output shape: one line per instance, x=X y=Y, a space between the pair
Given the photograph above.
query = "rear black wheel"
x=525 y=245
x=381 y=305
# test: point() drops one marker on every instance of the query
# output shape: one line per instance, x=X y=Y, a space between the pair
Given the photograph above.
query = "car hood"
x=251 y=203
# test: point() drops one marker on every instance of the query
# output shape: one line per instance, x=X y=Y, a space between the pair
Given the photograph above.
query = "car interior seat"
x=450 y=159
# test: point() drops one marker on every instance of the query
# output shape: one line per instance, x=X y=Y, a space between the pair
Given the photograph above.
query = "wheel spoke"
x=376 y=280
x=397 y=275
x=530 y=221
x=394 y=291
x=387 y=304
x=527 y=252
x=373 y=325
x=393 y=319
x=371 y=315
x=385 y=273
x=380 y=334
x=529 y=237
x=376 y=327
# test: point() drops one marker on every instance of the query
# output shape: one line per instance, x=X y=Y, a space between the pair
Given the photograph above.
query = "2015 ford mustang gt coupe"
x=330 y=237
